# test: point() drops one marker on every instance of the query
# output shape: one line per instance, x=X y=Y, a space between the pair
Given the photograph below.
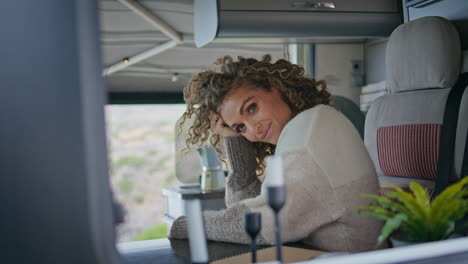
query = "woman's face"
x=255 y=113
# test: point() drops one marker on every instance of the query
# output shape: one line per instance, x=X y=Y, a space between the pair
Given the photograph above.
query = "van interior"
x=77 y=73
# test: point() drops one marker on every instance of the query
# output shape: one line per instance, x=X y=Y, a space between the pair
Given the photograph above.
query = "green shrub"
x=169 y=178
x=152 y=152
x=155 y=232
x=419 y=218
x=125 y=185
x=139 y=199
x=132 y=161
x=152 y=170
x=163 y=160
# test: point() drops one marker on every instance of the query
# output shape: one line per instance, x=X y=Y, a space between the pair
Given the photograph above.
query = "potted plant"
x=417 y=217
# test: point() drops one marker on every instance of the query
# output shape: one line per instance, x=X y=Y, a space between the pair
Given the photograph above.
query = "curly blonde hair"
x=206 y=91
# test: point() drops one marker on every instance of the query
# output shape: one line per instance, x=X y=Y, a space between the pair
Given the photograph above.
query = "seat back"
x=351 y=111
x=403 y=128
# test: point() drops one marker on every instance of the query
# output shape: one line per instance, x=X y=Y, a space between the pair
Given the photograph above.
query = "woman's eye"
x=240 y=128
x=252 y=108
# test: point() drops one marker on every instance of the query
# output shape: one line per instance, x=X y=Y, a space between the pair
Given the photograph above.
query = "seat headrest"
x=423 y=53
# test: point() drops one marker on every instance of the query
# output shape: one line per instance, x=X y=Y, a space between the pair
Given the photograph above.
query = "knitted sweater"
x=326 y=169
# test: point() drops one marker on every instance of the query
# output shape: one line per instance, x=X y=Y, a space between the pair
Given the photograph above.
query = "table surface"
x=176 y=251
x=169 y=251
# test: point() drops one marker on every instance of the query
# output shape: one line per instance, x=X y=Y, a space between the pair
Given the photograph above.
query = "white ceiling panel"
x=125 y=34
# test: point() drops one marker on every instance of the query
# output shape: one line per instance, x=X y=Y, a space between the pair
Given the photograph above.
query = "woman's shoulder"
x=306 y=119
x=320 y=109
x=311 y=123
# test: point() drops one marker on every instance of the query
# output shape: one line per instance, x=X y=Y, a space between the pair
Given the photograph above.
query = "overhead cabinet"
x=275 y=18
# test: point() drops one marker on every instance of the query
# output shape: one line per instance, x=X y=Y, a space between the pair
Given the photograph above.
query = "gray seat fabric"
x=402 y=130
x=351 y=111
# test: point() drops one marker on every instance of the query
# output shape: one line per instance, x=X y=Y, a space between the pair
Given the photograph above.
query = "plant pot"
x=398 y=242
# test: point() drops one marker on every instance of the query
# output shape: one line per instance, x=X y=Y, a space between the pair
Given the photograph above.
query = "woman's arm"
x=310 y=204
x=242 y=181
x=242 y=184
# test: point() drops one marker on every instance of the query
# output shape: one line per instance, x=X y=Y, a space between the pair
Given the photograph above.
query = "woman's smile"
x=266 y=132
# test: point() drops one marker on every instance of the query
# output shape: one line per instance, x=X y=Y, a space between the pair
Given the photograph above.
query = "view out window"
x=141 y=157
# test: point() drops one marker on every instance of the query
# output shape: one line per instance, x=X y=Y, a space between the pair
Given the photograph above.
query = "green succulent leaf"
x=422 y=197
x=412 y=211
x=390 y=225
x=387 y=203
x=408 y=200
x=453 y=192
x=375 y=211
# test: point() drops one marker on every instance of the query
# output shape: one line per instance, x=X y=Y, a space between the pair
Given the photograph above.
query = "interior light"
x=175 y=77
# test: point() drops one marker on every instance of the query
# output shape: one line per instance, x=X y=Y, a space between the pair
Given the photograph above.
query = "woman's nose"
x=251 y=126
x=256 y=128
x=259 y=129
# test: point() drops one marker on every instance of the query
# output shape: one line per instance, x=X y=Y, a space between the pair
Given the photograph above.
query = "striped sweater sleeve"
x=242 y=182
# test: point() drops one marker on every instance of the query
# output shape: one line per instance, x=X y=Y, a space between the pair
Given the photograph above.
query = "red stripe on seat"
x=409 y=150
x=385 y=190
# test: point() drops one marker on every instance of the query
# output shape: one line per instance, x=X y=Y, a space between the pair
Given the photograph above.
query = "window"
x=141 y=157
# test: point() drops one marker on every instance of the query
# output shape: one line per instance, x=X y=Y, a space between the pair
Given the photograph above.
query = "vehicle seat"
x=351 y=111
x=403 y=128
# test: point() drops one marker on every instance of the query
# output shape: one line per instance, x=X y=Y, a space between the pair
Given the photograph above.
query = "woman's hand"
x=219 y=127
x=179 y=228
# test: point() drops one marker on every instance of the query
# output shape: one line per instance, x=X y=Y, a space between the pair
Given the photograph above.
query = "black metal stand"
x=276 y=196
x=253 y=225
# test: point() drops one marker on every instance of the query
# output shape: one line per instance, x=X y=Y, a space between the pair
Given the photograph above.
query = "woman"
x=262 y=108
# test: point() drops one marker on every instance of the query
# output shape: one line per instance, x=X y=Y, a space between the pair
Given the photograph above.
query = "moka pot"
x=212 y=177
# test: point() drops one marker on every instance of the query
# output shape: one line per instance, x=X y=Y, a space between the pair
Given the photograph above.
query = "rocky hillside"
x=141 y=154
